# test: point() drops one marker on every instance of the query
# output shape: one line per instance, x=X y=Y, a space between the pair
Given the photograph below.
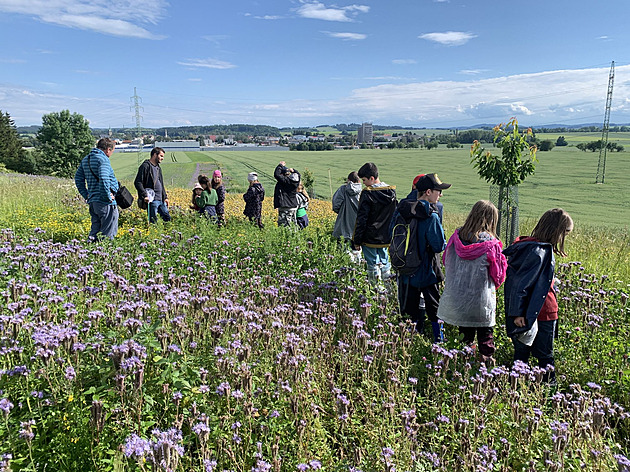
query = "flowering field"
x=187 y=347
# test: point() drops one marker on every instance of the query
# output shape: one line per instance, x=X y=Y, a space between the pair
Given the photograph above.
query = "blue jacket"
x=529 y=276
x=431 y=241
x=102 y=189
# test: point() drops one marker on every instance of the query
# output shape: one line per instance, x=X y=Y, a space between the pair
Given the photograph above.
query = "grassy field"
x=577 y=138
x=564 y=176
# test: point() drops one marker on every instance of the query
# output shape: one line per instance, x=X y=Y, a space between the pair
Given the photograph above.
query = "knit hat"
x=197 y=186
x=415 y=181
x=252 y=177
x=216 y=173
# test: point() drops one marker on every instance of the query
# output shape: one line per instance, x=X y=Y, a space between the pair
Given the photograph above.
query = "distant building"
x=182 y=145
x=365 y=134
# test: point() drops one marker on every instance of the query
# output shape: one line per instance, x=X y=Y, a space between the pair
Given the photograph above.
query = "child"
x=345 y=203
x=531 y=308
x=217 y=185
x=208 y=199
x=475 y=268
x=284 y=194
x=300 y=215
x=430 y=242
x=371 y=232
x=253 y=200
x=196 y=192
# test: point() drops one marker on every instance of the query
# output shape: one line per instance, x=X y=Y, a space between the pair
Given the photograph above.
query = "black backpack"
x=404 y=253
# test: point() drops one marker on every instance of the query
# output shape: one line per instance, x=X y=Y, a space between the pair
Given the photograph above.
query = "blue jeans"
x=541 y=348
x=104 y=219
x=156 y=207
x=378 y=265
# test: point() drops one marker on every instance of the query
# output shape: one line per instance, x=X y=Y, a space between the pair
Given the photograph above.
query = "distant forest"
x=192 y=132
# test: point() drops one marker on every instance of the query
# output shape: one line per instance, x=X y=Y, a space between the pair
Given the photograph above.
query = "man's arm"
x=79 y=181
x=139 y=183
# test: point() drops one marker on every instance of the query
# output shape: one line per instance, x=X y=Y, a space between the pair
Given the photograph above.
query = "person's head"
x=106 y=145
x=552 y=228
x=368 y=173
x=157 y=155
x=415 y=181
x=252 y=177
x=204 y=181
x=483 y=218
x=217 y=178
x=430 y=188
x=300 y=186
x=354 y=177
x=197 y=189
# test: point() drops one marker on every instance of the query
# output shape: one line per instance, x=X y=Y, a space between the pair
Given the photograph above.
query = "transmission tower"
x=601 y=164
x=136 y=105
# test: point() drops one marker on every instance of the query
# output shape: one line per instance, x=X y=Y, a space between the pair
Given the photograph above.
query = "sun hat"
x=197 y=186
x=216 y=173
x=430 y=182
x=252 y=177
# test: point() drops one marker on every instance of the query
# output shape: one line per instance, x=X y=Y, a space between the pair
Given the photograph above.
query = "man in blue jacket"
x=100 y=191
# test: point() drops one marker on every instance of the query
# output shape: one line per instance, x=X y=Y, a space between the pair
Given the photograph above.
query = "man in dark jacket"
x=371 y=232
x=149 y=177
x=284 y=195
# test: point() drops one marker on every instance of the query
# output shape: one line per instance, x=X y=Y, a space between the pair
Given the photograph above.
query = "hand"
x=146 y=199
x=166 y=202
x=519 y=321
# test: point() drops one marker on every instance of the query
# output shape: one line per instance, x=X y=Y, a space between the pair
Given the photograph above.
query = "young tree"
x=64 y=140
x=507 y=171
x=11 y=153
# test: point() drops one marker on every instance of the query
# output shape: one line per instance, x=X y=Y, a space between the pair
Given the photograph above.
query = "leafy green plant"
x=517 y=159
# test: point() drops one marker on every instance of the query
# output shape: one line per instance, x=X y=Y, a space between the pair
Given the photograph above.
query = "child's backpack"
x=404 y=253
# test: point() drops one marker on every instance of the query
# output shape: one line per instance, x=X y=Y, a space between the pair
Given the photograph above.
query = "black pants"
x=409 y=299
x=485 y=339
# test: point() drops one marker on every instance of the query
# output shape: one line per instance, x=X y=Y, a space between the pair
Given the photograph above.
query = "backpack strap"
x=90 y=167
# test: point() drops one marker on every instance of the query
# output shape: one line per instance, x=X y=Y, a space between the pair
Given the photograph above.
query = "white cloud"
x=101 y=16
x=194 y=79
x=560 y=96
x=208 y=63
x=319 y=11
x=268 y=17
x=472 y=71
x=404 y=61
x=449 y=38
x=346 y=36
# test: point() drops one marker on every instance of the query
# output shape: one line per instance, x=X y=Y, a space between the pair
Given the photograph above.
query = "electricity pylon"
x=601 y=164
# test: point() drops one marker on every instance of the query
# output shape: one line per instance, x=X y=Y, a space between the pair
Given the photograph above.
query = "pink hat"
x=197 y=186
x=216 y=173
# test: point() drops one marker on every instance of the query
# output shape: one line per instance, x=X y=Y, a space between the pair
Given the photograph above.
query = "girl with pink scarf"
x=475 y=268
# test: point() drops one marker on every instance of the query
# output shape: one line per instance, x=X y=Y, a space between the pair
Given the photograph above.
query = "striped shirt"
x=101 y=181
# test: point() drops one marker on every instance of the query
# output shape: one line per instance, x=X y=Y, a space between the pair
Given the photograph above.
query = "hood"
x=522 y=244
x=353 y=188
x=474 y=250
x=408 y=208
x=385 y=195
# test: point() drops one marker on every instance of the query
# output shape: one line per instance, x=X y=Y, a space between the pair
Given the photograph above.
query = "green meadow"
x=565 y=177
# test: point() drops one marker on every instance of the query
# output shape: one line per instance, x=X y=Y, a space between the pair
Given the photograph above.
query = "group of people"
x=473 y=258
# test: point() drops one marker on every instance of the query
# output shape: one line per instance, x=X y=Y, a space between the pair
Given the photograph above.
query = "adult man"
x=285 y=194
x=149 y=177
x=96 y=170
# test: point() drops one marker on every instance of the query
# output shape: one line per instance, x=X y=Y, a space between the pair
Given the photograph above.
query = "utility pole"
x=601 y=164
x=136 y=105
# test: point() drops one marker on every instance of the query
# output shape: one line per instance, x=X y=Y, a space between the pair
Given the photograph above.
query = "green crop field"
x=577 y=138
x=564 y=176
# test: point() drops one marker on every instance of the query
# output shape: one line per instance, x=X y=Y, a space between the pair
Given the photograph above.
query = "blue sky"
x=446 y=63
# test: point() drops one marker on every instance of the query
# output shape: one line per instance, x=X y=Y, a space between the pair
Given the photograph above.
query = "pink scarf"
x=492 y=249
